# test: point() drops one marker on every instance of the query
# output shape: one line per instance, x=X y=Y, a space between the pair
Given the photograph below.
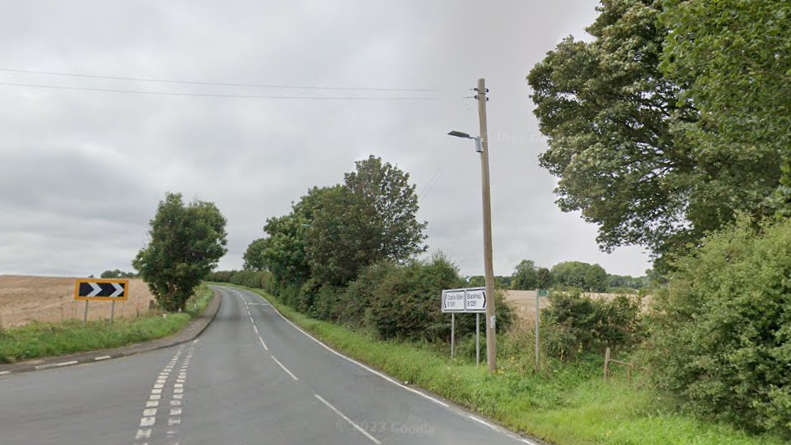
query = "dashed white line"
x=104 y=357
x=150 y=412
x=367 y=368
x=263 y=344
x=5 y=372
x=357 y=427
x=143 y=433
x=256 y=330
x=148 y=421
x=284 y=368
x=175 y=411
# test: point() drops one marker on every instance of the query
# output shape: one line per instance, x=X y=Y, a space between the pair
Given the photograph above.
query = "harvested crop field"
x=524 y=302
x=24 y=299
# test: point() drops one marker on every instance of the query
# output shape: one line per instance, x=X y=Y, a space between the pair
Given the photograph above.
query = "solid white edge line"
x=482 y=421
x=262 y=343
x=367 y=368
x=55 y=365
x=5 y=372
x=284 y=368
x=104 y=357
x=357 y=427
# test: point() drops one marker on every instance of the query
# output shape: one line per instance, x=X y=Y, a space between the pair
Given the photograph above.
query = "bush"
x=721 y=333
x=575 y=324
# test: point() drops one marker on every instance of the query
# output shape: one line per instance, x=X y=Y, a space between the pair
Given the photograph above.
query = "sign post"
x=465 y=301
x=539 y=293
x=91 y=289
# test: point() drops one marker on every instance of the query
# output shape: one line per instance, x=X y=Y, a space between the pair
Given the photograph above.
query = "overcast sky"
x=81 y=172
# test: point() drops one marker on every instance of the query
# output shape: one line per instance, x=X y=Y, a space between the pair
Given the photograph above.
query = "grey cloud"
x=81 y=172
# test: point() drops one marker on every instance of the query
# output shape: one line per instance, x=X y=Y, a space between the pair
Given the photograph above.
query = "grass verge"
x=38 y=340
x=573 y=406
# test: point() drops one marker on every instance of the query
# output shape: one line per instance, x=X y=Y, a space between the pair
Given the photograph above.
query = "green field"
x=38 y=340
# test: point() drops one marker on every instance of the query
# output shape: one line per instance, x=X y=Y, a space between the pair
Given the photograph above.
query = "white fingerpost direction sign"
x=470 y=300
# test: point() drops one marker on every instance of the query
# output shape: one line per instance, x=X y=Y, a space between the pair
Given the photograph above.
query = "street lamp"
x=491 y=343
x=478 y=144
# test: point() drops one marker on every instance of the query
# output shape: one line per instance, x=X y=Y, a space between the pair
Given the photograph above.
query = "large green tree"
x=619 y=135
x=371 y=218
x=186 y=242
x=525 y=276
x=734 y=59
x=285 y=249
x=254 y=255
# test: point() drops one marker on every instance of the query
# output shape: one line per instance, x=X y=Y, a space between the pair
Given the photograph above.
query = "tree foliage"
x=117 y=273
x=254 y=255
x=734 y=58
x=371 y=218
x=637 y=133
x=186 y=242
x=525 y=276
x=721 y=331
x=583 y=276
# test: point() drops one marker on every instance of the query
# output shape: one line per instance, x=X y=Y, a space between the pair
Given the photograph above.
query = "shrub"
x=575 y=324
x=721 y=331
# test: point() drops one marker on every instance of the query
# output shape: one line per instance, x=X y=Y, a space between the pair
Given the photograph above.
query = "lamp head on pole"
x=461 y=134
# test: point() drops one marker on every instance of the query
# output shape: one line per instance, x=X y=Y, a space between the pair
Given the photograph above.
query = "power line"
x=249 y=96
x=227 y=84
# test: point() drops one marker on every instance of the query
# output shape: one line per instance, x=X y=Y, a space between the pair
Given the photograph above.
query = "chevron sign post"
x=93 y=289
x=90 y=289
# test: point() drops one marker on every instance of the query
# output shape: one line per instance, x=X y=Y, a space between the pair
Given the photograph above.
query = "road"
x=251 y=378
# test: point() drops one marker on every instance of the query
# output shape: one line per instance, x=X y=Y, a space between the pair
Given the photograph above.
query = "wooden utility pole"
x=491 y=338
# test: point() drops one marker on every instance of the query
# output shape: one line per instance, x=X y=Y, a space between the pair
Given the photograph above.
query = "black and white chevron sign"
x=101 y=289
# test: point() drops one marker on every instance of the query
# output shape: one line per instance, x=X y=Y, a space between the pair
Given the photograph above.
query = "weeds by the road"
x=572 y=406
x=49 y=339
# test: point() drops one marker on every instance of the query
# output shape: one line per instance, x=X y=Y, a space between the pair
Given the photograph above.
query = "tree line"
x=565 y=275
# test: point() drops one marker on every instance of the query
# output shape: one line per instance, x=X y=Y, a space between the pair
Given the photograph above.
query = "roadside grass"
x=38 y=340
x=571 y=405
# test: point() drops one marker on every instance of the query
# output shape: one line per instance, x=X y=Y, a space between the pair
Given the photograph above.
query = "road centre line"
x=367 y=368
x=284 y=368
x=255 y=329
x=262 y=343
x=393 y=381
x=357 y=427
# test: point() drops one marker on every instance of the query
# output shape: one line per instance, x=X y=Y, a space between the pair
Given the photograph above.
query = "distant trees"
x=588 y=277
x=254 y=255
x=186 y=242
x=117 y=274
x=525 y=276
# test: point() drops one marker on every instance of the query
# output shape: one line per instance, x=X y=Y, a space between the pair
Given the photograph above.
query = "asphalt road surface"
x=251 y=378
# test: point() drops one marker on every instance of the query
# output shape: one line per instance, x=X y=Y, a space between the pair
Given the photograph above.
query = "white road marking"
x=5 y=372
x=357 y=427
x=159 y=386
x=251 y=320
x=156 y=391
x=155 y=397
x=178 y=396
x=152 y=404
x=148 y=421
x=143 y=433
x=367 y=368
x=104 y=357
x=178 y=390
x=174 y=421
x=482 y=421
x=263 y=344
x=284 y=368
x=178 y=385
x=55 y=365
x=256 y=329
x=175 y=403
x=175 y=411
x=151 y=412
